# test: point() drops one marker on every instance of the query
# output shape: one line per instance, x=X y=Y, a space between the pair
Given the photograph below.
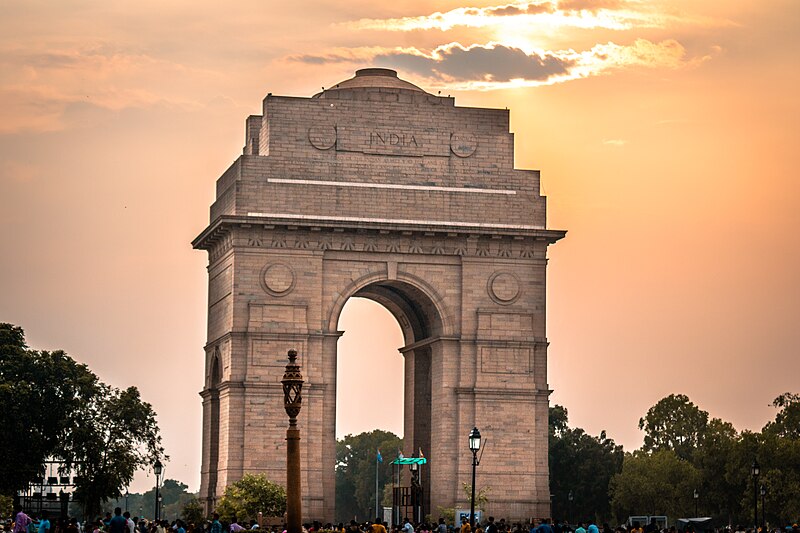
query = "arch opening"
x=369 y=365
x=214 y=379
x=374 y=338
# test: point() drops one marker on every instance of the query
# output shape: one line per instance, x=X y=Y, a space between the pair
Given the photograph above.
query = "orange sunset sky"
x=667 y=133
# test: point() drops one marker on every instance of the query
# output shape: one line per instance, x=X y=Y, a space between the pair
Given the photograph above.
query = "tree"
x=581 y=464
x=40 y=393
x=481 y=496
x=58 y=408
x=174 y=495
x=250 y=495
x=116 y=436
x=787 y=420
x=356 y=460
x=193 y=512
x=657 y=483
x=674 y=423
x=719 y=495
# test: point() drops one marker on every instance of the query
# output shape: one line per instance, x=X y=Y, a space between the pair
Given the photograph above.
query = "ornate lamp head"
x=292 y=388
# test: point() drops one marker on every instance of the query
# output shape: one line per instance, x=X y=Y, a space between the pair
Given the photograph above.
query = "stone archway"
x=418 y=310
x=378 y=189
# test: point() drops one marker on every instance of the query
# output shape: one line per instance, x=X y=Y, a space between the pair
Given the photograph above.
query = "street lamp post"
x=763 y=508
x=157 y=471
x=570 y=497
x=474 y=446
x=696 y=496
x=292 y=398
x=756 y=471
x=126 y=499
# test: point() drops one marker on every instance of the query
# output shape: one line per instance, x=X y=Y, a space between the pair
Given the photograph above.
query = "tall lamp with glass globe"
x=157 y=469
x=756 y=471
x=474 y=446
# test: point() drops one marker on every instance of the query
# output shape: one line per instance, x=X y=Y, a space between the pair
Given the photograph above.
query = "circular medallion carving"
x=503 y=288
x=463 y=144
x=322 y=137
x=277 y=279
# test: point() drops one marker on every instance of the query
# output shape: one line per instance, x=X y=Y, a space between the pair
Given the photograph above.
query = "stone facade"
x=375 y=188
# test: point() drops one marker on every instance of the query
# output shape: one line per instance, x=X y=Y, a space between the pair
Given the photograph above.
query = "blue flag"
x=380 y=457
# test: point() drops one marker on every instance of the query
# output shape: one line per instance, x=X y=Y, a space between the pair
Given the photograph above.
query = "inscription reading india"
x=377 y=138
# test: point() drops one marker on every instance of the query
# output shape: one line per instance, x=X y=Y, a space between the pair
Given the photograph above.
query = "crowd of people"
x=121 y=522
x=541 y=526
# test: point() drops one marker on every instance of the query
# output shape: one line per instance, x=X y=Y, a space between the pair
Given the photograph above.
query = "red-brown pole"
x=292 y=398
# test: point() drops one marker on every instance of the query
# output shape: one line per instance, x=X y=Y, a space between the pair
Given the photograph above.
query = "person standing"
x=44 y=524
x=216 y=525
x=235 y=527
x=377 y=526
x=118 y=523
x=129 y=522
x=21 y=520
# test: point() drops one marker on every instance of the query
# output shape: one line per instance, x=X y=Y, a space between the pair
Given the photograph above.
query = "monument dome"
x=370 y=79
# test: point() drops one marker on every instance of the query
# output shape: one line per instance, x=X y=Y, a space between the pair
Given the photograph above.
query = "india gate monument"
x=377 y=189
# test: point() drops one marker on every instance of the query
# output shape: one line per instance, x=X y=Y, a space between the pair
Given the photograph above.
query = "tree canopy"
x=58 y=408
x=583 y=465
x=674 y=423
x=250 y=495
x=356 y=460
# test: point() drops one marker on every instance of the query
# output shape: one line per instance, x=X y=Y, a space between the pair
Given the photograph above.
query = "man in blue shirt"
x=118 y=523
x=544 y=526
x=44 y=523
x=216 y=526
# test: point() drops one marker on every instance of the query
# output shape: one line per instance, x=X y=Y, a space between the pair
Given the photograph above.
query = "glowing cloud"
x=546 y=14
x=494 y=65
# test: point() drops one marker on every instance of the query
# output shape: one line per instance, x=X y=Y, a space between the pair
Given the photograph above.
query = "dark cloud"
x=480 y=63
x=532 y=8
x=588 y=5
x=320 y=60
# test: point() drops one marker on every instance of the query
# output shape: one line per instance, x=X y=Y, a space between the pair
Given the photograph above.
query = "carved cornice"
x=320 y=235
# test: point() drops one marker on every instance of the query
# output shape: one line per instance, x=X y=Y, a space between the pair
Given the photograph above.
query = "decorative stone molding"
x=278 y=279
x=503 y=288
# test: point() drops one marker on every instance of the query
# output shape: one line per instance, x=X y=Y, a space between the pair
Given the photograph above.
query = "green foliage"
x=250 y=495
x=787 y=421
x=58 y=408
x=657 y=483
x=174 y=496
x=117 y=436
x=193 y=512
x=581 y=464
x=448 y=513
x=40 y=393
x=355 y=472
x=674 y=423
x=481 y=495
x=6 y=505
x=720 y=493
